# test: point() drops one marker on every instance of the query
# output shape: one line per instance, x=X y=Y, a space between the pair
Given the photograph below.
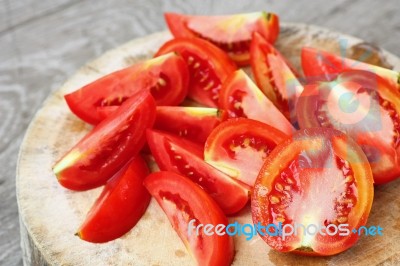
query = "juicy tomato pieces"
x=184 y=201
x=364 y=106
x=186 y=158
x=192 y=123
x=240 y=97
x=319 y=178
x=232 y=33
x=208 y=67
x=166 y=77
x=275 y=77
x=120 y=205
x=109 y=146
x=238 y=147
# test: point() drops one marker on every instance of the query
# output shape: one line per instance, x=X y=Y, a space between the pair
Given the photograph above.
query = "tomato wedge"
x=240 y=97
x=109 y=146
x=166 y=77
x=364 y=106
x=120 y=205
x=186 y=158
x=183 y=201
x=232 y=33
x=319 y=179
x=208 y=67
x=276 y=78
x=231 y=145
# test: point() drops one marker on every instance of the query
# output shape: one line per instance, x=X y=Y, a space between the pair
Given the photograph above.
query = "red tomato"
x=240 y=97
x=166 y=77
x=275 y=77
x=109 y=146
x=231 y=145
x=120 y=205
x=364 y=106
x=320 y=177
x=183 y=201
x=186 y=158
x=232 y=33
x=208 y=67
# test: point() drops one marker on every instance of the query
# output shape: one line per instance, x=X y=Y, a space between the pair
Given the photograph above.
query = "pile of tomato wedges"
x=302 y=148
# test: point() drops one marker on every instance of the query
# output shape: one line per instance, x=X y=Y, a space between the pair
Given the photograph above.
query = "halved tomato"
x=364 y=106
x=238 y=147
x=186 y=158
x=315 y=188
x=120 y=205
x=208 y=67
x=186 y=204
x=275 y=77
x=166 y=77
x=109 y=146
x=324 y=66
x=232 y=33
x=240 y=97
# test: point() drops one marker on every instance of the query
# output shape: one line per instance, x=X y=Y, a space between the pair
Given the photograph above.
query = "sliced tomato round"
x=109 y=146
x=231 y=145
x=274 y=75
x=364 y=106
x=240 y=97
x=186 y=158
x=120 y=205
x=166 y=77
x=319 y=181
x=184 y=201
x=232 y=33
x=208 y=67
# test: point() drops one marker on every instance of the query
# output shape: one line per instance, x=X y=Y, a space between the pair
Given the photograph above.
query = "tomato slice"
x=320 y=177
x=233 y=142
x=276 y=78
x=364 y=106
x=166 y=77
x=240 y=97
x=120 y=205
x=208 y=67
x=183 y=201
x=109 y=146
x=325 y=66
x=186 y=158
x=232 y=33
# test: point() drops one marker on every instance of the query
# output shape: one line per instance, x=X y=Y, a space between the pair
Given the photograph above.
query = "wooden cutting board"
x=50 y=214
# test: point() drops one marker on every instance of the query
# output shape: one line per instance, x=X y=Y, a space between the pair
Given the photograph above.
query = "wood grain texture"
x=43 y=42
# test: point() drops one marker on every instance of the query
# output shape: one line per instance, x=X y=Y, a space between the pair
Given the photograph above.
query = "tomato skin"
x=208 y=66
x=156 y=75
x=314 y=142
x=208 y=250
x=120 y=206
x=109 y=146
x=186 y=158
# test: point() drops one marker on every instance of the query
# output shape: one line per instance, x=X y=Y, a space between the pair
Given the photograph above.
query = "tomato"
x=325 y=66
x=233 y=142
x=186 y=158
x=166 y=77
x=318 y=178
x=232 y=33
x=364 y=106
x=120 y=205
x=275 y=77
x=208 y=67
x=109 y=146
x=240 y=97
x=183 y=201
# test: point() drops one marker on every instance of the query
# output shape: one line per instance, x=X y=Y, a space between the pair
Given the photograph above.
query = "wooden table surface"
x=43 y=42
